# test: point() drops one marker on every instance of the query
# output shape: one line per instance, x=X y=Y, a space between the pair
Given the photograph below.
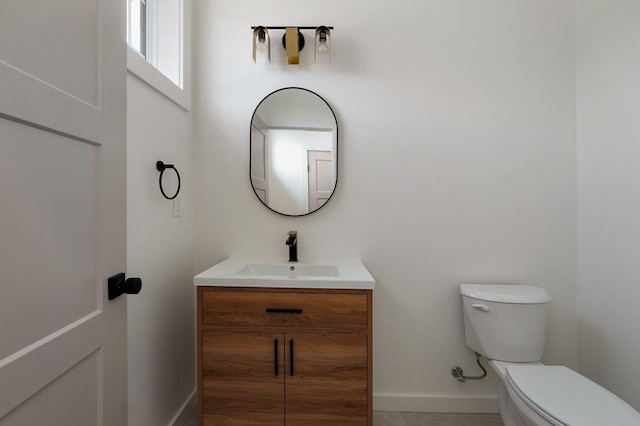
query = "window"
x=157 y=34
x=137 y=26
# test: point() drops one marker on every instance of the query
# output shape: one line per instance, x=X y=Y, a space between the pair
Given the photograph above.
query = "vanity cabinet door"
x=242 y=378
x=327 y=384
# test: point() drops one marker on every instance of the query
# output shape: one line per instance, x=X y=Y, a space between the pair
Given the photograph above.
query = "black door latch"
x=117 y=285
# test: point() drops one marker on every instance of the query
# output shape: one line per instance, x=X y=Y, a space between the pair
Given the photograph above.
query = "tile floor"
x=382 y=418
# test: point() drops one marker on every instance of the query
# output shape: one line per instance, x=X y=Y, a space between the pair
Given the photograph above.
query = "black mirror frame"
x=336 y=153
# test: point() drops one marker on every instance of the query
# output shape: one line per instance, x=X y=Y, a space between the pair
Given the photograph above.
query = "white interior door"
x=258 y=166
x=62 y=215
x=321 y=181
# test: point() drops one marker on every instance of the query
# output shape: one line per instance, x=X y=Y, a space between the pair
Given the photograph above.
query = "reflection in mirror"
x=294 y=151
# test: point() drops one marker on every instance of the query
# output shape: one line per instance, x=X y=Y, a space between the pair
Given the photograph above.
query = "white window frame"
x=142 y=13
x=143 y=67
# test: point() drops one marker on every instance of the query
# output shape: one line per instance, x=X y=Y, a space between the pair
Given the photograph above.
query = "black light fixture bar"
x=293 y=26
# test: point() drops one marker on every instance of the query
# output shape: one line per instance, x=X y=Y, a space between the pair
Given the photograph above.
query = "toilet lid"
x=568 y=397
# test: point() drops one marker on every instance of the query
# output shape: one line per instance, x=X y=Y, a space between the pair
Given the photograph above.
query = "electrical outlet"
x=177 y=207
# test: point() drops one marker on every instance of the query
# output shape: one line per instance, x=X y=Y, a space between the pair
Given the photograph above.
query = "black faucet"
x=292 y=242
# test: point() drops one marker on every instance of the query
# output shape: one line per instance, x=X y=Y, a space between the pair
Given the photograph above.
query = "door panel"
x=321 y=178
x=329 y=381
x=26 y=372
x=53 y=244
x=73 y=40
x=62 y=168
x=240 y=367
x=64 y=73
x=78 y=407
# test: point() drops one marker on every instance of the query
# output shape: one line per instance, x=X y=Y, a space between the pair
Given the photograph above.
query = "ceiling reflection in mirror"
x=294 y=151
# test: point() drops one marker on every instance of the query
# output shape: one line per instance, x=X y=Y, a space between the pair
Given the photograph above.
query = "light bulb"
x=262 y=41
x=323 y=48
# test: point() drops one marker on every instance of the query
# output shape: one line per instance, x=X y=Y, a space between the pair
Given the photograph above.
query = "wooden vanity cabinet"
x=295 y=357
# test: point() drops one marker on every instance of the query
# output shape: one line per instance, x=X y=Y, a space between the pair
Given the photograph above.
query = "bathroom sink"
x=290 y=270
x=314 y=273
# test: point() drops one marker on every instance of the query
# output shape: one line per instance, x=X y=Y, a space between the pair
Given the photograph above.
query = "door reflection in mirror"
x=294 y=151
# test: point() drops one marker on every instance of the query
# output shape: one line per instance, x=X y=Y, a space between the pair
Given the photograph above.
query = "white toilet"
x=507 y=324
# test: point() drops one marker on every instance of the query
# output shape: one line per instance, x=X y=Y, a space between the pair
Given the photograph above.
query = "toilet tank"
x=505 y=322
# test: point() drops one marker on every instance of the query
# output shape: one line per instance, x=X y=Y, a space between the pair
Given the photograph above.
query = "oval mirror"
x=294 y=151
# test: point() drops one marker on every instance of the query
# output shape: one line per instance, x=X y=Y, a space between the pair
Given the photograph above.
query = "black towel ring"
x=161 y=168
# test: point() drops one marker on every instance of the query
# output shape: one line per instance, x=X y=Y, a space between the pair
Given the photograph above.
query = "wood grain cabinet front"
x=284 y=357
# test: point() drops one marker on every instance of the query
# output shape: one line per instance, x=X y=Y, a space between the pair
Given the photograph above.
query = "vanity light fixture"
x=261 y=42
x=293 y=42
x=323 y=43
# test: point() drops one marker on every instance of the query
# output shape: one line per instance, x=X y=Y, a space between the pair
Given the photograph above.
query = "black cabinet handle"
x=275 y=358
x=291 y=356
x=283 y=311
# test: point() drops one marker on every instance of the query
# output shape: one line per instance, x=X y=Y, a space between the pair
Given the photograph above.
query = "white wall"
x=457 y=164
x=160 y=250
x=608 y=107
x=287 y=161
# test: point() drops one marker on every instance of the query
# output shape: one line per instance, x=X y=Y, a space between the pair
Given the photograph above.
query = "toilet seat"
x=561 y=394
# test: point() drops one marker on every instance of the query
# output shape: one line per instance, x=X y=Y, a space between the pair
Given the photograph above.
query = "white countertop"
x=331 y=273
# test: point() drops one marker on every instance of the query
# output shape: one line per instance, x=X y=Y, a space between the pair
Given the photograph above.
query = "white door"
x=62 y=212
x=258 y=166
x=321 y=180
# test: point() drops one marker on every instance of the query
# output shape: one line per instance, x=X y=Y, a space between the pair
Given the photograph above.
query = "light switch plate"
x=177 y=207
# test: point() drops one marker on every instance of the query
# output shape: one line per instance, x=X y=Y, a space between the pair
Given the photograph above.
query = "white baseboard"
x=435 y=403
x=185 y=410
